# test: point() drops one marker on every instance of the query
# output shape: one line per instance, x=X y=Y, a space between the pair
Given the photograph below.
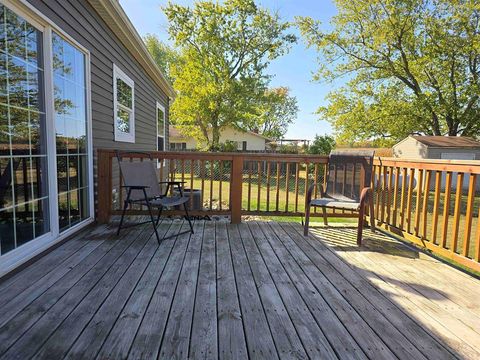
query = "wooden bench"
x=348 y=187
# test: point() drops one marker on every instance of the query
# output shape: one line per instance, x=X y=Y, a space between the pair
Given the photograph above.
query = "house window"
x=123 y=106
x=244 y=146
x=160 y=127
x=178 y=146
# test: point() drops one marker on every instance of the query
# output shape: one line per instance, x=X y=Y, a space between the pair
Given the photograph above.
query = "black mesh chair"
x=348 y=187
x=143 y=188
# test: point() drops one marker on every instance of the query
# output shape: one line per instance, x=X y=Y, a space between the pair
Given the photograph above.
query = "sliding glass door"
x=24 y=197
x=71 y=132
x=44 y=152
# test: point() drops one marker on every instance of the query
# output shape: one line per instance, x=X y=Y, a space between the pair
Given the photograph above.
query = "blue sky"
x=293 y=70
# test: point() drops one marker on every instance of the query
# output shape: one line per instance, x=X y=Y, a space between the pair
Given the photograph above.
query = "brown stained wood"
x=379 y=189
x=385 y=195
x=249 y=191
x=220 y=186
x=259 y=183
x=306 y=185
x=287 y=186
x=436 y=205
x=277 y=185
x=446 y=209
x=236 y=188
x=202 y=177
x=268 y=186
x=297 y=176
x=418 y=202
x=403 y=199
x=395 y=196
x=409 y=198
x=457 y=212
x=477 y=240
x=389 y=194
x=469 y=214
x=315 y=180
x=212 y=173
x=426 y=198
x=182 y=177
x=192 y=175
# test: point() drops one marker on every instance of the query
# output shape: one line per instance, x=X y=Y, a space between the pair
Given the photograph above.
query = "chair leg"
x=151 y=216
x=307 y=220
x=160 y=208
x=123 y=211
x=325 y=218
x=360 y=224
x=188 y=217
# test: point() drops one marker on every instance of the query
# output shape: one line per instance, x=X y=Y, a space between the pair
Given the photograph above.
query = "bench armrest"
x=135 y=187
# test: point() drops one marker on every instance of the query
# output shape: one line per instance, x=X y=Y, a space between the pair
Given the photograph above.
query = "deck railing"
x=434 y=203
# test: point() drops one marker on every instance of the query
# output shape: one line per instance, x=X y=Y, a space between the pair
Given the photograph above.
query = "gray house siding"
x=81 y=22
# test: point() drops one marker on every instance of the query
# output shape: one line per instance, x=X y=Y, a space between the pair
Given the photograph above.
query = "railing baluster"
x=395 y=196
x=409 y=198
x=192 y=174
x=277 y=195
x=403 y=199
x=457 y=211
x=297 y=175
x=436 y=205
x=268 y=186
x=220 y=185
x=202 y=177
x=389 y=193
x=315 y=180
x=379 y=192
x=287 y=187
x=472 y=183
x=446 y=209
x=418 y=202
x=249 y=185
x=425 y=203
x=384 y=194
x=212 y=173
x=259 y=180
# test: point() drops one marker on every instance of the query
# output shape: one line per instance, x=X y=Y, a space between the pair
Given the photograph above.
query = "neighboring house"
x=75 y=77
x=438 y=147
x=246 y=140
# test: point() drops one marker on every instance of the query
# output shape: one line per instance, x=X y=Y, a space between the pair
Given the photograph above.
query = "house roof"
x=175 y=133
x=113 y=14
x=448 y=141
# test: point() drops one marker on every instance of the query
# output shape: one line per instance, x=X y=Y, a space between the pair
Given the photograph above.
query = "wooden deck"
x=258 y=290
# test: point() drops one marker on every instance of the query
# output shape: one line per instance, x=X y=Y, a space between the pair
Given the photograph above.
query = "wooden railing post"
x=104 y=189
x=236 y=186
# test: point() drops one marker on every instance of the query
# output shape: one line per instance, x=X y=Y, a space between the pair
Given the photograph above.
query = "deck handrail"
x=433 y=203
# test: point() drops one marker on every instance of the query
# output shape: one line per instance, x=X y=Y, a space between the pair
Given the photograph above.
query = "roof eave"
x=114 y=16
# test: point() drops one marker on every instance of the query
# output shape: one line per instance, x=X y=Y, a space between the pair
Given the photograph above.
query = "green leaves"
x=224 y=49
x=412 y=66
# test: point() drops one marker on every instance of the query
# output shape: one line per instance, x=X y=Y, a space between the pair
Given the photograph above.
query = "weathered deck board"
x=254 y=290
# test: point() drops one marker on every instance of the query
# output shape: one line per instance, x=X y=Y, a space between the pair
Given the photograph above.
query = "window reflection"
x=71 y=131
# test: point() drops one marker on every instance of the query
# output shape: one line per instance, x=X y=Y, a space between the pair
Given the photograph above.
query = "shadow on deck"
x=255 y=290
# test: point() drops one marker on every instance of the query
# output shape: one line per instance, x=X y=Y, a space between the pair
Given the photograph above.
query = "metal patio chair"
x=143 y=188
x=348 y=180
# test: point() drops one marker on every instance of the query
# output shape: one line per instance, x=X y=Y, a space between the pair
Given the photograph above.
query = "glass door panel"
x=24 y=198
x=71 y=132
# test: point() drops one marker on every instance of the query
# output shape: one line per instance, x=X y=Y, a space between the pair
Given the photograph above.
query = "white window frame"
x=29 y=250
x=161 y=107
x=120 y=135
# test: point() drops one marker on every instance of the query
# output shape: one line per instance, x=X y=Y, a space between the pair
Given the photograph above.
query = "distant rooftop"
x=448 y=141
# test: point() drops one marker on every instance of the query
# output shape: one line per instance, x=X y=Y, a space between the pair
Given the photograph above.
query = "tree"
x=164 y=55
x=322 y=145
x=412 y=66
x=277 y=110
x=226 y=48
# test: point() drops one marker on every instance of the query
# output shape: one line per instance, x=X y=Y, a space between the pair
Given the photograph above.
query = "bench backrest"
x=348 y=173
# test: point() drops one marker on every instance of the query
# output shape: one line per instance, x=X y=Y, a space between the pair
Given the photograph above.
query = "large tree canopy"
x=276 y=111
x=412 y=67
x=225 y=50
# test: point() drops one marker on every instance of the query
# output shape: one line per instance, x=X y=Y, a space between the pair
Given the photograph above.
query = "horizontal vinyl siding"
x=79 y=20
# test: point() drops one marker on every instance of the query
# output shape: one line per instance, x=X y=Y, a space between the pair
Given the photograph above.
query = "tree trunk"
x=215 y=143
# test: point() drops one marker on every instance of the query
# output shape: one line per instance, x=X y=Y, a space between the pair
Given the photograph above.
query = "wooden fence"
x=432 y=203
